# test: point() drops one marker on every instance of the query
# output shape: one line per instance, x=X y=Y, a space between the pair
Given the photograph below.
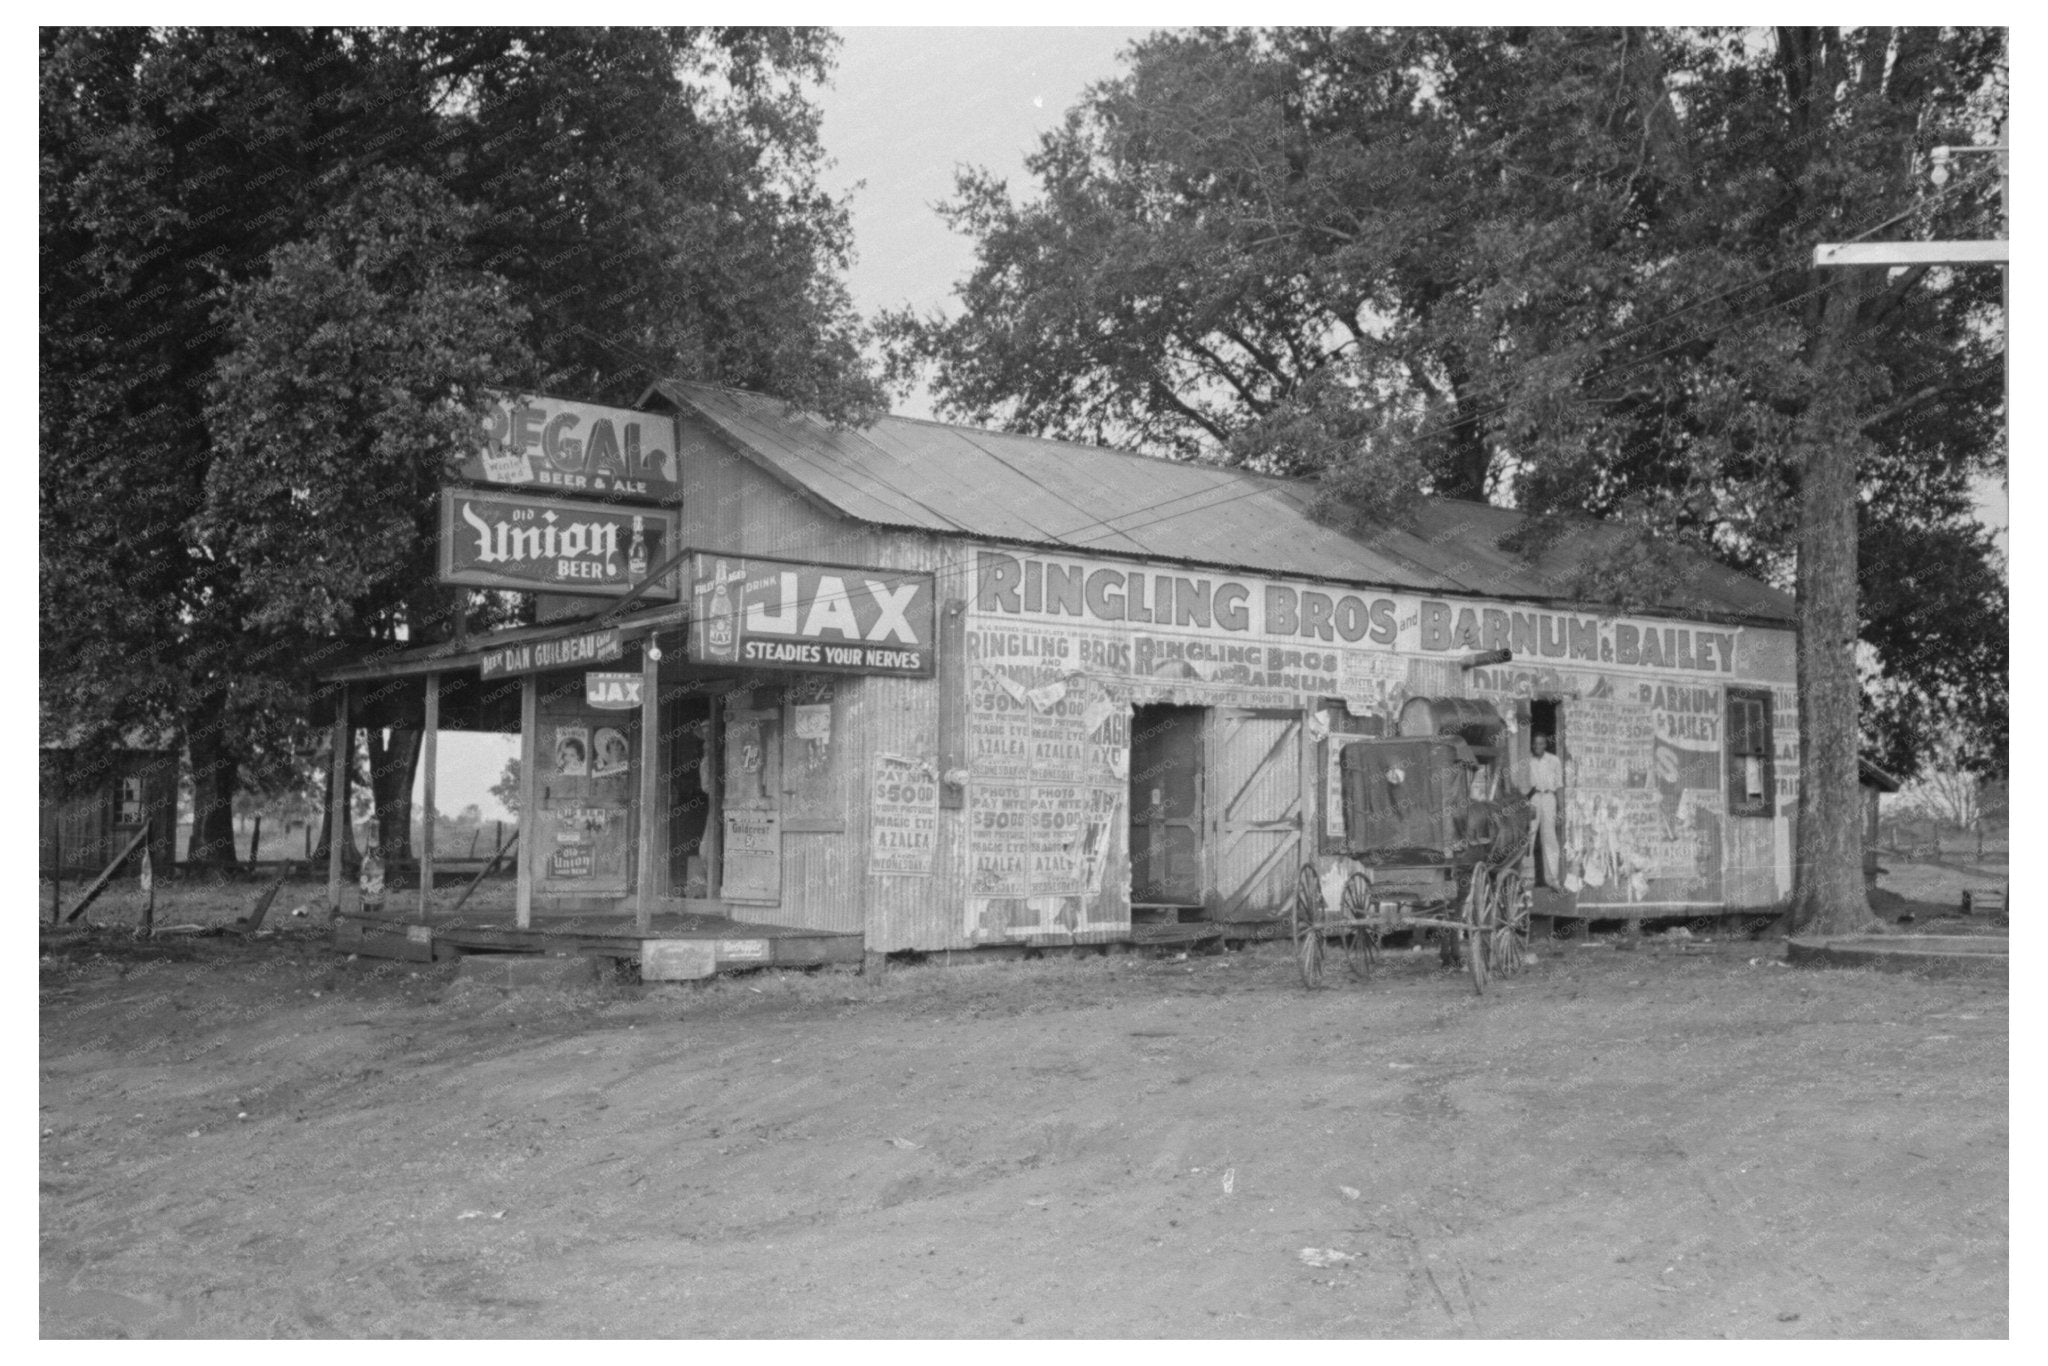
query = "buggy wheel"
x=1305 y=917
x=1478 y=929
x=1361 y=932
x=1510 y=937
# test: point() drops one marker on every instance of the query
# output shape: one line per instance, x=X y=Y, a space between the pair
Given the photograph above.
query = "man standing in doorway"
x=1546 y=778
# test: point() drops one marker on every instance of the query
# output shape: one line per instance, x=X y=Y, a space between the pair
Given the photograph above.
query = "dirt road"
x=270 y=1141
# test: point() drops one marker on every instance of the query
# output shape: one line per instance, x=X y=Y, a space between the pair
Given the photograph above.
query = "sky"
x=905 y=107
x=908 y=106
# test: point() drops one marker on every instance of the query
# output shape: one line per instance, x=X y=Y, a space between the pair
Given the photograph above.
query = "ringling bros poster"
x=1060 y=649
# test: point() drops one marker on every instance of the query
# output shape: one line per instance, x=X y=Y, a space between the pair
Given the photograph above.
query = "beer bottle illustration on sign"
x=636 y=552
x=719 y=636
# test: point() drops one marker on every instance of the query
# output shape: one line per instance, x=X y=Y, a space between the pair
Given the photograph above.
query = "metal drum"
x=1469 y=719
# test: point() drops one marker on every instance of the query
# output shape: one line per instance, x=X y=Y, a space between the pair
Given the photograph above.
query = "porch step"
x=1193 y=932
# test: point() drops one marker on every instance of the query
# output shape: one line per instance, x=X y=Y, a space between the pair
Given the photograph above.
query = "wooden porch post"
x=429 y=746
x=713 y=844
x=337 y=801
x=650 y=727
x=529 y=818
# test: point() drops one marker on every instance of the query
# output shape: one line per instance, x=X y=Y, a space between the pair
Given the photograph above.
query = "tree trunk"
x=351 y=857
x=394 y=758
x=1470 y=459
x=214 y=770
x=1828 y=893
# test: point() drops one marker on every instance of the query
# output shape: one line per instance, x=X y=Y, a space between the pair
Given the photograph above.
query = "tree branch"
x=1910 y=402
x=1895 y=294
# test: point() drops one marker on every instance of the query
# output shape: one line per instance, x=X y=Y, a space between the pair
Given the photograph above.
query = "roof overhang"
x=467 y=655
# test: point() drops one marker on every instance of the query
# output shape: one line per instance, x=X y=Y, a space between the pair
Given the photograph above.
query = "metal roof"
x=932 y=476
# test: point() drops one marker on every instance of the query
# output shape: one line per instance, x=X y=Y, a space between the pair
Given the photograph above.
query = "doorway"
x=691 y=783
x=1546 y=718
x=1166 y=806
x=1217 y=796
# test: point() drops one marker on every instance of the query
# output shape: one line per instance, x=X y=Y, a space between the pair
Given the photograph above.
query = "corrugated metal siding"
x=821 y=889
x=1749 y=872
x=901 y=716
x=931 y=476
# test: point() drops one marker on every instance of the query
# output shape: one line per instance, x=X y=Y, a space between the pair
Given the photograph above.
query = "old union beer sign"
x=820 y=618
x=551 y=443
x=551 y=545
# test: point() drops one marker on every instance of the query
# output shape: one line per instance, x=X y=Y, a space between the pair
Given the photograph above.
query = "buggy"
x=1434 y=838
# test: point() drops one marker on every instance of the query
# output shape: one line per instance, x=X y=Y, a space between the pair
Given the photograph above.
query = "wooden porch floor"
x=401 y=933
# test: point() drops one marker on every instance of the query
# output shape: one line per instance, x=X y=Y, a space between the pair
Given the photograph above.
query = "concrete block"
x=677 y=960
x=527 y=969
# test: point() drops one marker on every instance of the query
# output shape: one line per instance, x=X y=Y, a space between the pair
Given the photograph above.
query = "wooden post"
x=255 y=838
x=337 y=801
x=56 y=865
x=713 y=844
x=149 y=869
x=650 y=736
x=529 y=787
x=429 y=745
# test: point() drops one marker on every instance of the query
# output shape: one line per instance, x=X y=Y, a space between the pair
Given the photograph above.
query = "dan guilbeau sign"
x=820 y=618
x=551 y=545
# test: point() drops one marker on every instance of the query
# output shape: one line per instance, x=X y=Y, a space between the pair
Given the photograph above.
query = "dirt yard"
x=1662 y=1140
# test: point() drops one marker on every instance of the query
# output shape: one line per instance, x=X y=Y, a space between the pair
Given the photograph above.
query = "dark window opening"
x=1752 y=779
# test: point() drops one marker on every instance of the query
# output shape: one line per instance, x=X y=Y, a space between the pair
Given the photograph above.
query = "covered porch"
x=618 y=847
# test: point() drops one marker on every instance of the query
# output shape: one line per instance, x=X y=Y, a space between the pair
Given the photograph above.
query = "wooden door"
x=586 y=775
x=1255 y=811
x=1166 y=805
x=751 y=844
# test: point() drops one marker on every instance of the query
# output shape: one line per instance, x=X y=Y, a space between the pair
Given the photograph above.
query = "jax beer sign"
x=552 y=443
x=551 y=545
x=819 y=618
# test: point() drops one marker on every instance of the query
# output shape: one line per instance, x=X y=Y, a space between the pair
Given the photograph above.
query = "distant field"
x=276 y=843
x=1939 y=884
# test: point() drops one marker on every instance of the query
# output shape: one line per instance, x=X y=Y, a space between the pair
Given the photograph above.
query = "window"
x=1752 y=785
x=131 y=800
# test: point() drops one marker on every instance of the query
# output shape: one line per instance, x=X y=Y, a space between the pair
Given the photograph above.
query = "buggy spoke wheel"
x=1364 y=952
x=1478 y=924
x=1305 y=923
x=1511 y=928
x=1361 y=937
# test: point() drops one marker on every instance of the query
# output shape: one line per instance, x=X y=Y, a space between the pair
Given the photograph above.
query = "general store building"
x=925 y=687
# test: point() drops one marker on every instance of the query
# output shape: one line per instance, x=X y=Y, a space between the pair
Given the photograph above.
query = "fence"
x=279 y=842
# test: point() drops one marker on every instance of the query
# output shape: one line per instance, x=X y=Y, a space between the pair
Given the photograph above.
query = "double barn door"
x=1218 y=806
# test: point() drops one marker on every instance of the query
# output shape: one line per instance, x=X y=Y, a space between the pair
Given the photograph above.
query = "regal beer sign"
x=820 y=618
x=534 y=544
x=552 y=443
